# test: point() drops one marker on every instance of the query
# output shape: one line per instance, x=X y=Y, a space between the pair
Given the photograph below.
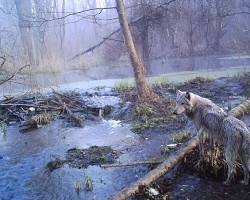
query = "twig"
x=69 y=98
x=3 y=62
x=76 y=119
x=103 y=40
x=97 y=45
x=18 y=104
x=13 y=75
x=141 y=162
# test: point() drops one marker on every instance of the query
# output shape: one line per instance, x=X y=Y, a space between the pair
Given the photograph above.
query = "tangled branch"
x=13 y=74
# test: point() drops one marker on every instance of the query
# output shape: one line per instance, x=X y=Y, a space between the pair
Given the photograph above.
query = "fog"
x=109 y=99
x=57 y=36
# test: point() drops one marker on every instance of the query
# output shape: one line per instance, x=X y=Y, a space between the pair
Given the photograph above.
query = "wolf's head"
x=183 y=102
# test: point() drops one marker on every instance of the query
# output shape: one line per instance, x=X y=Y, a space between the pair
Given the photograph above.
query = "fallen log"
x=172 y=160
x=241 y=110
x=159 y=171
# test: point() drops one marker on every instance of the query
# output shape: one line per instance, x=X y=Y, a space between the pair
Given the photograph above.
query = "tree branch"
x=3 y=62
x=13 y=75
x=114 y=32
x=97 y=45
x=235 y=13
x=103 y=40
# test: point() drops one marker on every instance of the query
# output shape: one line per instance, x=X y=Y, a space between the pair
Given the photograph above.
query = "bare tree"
x=62 y=26
x=145 y=93
x=24 y=12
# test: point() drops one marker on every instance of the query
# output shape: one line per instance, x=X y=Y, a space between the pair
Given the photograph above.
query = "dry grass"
x=160 y=81
x=123 y=86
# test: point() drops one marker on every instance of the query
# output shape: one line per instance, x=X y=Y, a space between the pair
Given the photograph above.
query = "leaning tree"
x=144 y=91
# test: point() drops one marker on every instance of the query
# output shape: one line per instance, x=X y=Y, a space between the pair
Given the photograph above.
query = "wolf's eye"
x=182 y=103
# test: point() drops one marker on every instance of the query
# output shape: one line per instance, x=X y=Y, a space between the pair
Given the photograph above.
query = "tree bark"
x=144 y=91
x=145 y=38
x=218 y=26
x=62 y=27
x=24 y=13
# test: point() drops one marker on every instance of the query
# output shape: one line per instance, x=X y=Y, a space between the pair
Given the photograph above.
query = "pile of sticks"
x=34 y=110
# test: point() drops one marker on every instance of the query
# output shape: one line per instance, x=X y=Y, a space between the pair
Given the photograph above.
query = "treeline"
x=189 y=27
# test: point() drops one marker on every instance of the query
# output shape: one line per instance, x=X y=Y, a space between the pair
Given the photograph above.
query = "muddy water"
x=23 y=156
x=175 y=69
x=23 y=159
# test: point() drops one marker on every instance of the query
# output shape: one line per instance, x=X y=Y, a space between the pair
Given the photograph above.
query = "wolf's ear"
x=188 y=96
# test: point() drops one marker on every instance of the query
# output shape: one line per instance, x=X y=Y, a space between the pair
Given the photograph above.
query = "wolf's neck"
x=197 y=101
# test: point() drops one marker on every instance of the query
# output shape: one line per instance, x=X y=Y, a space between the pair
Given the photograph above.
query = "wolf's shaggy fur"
x=220 y=127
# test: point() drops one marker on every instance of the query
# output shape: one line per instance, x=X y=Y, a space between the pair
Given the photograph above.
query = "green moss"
x=180 y=137
x=95 y=155
x=150 y=119
x=82 y=158
x=165 y=149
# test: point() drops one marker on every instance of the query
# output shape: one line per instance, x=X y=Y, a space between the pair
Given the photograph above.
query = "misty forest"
x=124 y=99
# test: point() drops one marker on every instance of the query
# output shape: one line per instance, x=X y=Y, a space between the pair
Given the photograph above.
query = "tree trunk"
x=62 y=26
x=39 y=31
x=218 y=26
x=24 y=12
x=145 y=38
x=144 y=91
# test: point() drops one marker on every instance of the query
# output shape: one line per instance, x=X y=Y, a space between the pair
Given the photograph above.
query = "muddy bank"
x=227 y=92
x=24 y=156
x=194 y=179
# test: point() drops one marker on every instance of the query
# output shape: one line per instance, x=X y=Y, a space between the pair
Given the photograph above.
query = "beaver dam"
x=92 y=144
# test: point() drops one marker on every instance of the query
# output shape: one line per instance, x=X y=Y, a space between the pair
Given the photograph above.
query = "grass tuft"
x=180 y=137
x=123 y=86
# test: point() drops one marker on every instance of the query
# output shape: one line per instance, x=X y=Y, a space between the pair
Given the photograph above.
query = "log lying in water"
x=159 y=171
x=172 y=160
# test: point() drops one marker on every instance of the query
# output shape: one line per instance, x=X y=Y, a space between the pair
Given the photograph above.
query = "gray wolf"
x=222 y=128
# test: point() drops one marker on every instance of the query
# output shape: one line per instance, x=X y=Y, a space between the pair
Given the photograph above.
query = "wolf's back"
x=211 y=116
